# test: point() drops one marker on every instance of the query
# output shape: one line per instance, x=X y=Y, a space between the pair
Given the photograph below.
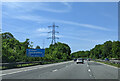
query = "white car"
x=80 y=60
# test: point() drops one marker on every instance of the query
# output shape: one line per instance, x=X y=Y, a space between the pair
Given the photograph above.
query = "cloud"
x=84 y=25
x=41 y=30
x=59 y=36
x=66 y=8
x=108 y=15
x=46 y=7
x=67 y=4
x=40 y=19
x=43 y=34
x=84 y=39
x=26 y=7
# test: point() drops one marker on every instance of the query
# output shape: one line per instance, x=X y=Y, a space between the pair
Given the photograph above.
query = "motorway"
x=65 y=70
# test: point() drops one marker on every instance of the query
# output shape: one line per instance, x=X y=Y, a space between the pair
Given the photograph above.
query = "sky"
x=82 y=25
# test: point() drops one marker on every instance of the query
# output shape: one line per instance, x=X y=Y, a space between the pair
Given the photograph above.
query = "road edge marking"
x=30 y=68
x=108 y=65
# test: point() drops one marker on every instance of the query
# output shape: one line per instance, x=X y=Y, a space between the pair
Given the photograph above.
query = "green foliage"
x=15 y=51
x=58 y=51
x=37 y=47
x=7 y=35
x=116 y=49
x=107 y=50
x=12 y=49
x=80 y=54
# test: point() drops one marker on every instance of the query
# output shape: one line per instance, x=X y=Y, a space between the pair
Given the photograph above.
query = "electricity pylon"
x=53 y=33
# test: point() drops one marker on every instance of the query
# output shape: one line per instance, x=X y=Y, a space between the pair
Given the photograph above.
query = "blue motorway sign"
x=35 y=52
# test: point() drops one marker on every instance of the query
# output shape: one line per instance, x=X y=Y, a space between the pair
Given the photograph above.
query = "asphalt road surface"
x=67 y=70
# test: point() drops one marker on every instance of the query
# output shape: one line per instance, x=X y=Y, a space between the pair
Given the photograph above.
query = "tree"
x=107 y=49
x=15 y=51
x=116 y=49
x=58 y=51
x=37 y=47
x=12 y=49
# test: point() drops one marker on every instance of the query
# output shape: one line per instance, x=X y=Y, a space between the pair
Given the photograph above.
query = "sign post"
x=35 y=52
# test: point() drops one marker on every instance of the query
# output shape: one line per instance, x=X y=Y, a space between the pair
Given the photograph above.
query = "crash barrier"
x=110 y=61
x=17 y=64
x=22 y=64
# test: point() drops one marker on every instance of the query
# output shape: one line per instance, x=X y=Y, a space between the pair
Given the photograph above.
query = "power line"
x=53 y=33
x=43 y=43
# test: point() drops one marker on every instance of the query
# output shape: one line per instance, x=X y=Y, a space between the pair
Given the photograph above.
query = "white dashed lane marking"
x=87 y=65
x=89 y=70
x=54 y=70
x=90 y=75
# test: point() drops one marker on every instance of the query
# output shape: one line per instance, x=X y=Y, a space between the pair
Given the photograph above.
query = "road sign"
x=35 y=52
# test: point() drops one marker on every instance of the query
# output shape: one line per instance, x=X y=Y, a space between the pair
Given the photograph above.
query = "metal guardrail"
x=110 y=61
x=15 y=65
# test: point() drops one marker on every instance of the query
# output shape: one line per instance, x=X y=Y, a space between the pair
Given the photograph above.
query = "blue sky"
x=82 y=25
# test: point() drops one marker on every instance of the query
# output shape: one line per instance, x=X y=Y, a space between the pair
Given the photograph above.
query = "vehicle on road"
x=106 y=59
x=75 y=60
x=88 y=59
x=80 y=60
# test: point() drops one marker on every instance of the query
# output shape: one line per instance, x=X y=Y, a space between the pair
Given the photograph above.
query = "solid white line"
x=11 y=73
x=34 y=68
x=18 y=71
x=108 y=65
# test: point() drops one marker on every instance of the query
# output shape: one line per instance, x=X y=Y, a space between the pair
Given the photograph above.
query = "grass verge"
x=112 y=64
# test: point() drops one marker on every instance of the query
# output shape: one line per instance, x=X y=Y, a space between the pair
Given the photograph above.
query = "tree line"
x=15 y=51
x=110 y=49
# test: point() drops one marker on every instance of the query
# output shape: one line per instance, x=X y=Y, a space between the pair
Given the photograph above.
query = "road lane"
x=73 y=71
x=70 y=70
x=101 y=71
x=34 y=74
x=17 y=70
x=64 y=71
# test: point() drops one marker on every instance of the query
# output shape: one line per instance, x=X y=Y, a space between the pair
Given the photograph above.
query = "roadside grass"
x=112 y=64
x=19 y=66
x=2 y=67
x=24 y=65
